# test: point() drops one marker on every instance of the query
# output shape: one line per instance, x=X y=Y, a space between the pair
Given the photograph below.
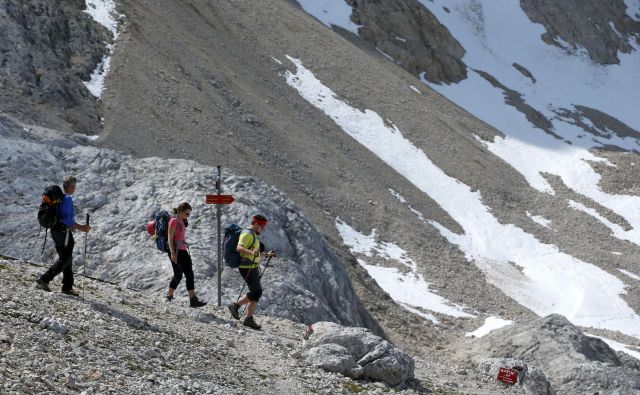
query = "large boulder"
x=573 y=362
x=357 y=353
x=531 y=379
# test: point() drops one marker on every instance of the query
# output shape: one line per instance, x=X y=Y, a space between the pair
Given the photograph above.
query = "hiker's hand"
x=85 y=228
x=256 y=252
x=271 y=253
x=173 y=257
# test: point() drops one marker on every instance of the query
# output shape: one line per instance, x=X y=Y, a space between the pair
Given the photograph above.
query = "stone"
x=335 y=348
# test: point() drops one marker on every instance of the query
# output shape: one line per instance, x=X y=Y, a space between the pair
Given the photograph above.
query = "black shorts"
x=252 y=278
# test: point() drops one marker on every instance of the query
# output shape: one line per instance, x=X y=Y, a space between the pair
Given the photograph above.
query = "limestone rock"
x=336 y=349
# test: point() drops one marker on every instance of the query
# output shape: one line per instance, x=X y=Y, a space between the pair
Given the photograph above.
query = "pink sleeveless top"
x=179 y=236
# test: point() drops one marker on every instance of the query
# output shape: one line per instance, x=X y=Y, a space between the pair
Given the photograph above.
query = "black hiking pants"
x=64 y=263
x=184 y=266
x=252 y=278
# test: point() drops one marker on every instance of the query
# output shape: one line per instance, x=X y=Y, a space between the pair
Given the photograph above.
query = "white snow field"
x=535 y=274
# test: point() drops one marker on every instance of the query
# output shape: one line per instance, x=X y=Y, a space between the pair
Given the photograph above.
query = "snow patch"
x=103 y=12
x=490 y=324
x=633 y=276
x=331 y=13
x=633 y=9
x=540 y=220
x=407 y=288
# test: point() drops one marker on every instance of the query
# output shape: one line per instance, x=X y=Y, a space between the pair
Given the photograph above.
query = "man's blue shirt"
x=66 y=211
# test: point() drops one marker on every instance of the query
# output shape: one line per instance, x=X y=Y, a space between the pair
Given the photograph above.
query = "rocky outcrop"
x=531 y=379
x=410 y=34
x=357 y=353
x=603 y=28
x=47 y=48
x=305 y=283
x=515 y=99
x=597 y=122
x=573 y=362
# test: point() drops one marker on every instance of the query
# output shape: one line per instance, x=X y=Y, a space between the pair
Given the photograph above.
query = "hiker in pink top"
x=179 y=254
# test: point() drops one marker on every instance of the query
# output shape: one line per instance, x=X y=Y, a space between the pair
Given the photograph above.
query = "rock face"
x=412 y=36
x=601 y=27
x=573 y=362
x=305 y=283
x=46 y=49
x=357 y=353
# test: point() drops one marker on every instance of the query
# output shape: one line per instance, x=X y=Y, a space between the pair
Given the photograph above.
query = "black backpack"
x=231 y=238
x=48 y=211
x=161 y=226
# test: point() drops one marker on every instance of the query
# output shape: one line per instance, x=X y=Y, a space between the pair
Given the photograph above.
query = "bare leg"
x=243 y=300
x=251 y=308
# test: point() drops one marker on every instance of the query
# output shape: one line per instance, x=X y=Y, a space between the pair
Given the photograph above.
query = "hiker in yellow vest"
x=250 y=250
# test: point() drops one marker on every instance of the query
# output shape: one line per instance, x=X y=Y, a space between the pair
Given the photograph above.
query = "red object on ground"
x=508 y=376
x=219 y=199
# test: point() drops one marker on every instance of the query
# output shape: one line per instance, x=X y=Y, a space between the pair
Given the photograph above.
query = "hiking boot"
x=195 y=302
x=233 y=308
x=42 y=285
x=251 y=323
x=169 y=298
x=71 y=292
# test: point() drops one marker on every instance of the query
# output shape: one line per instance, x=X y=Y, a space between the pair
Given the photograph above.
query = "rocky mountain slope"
x=288 y=106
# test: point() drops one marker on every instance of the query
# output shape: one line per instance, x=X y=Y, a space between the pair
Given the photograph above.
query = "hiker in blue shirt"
x=62 y=236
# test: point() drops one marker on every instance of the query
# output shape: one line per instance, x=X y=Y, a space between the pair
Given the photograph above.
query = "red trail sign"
x=219 y=199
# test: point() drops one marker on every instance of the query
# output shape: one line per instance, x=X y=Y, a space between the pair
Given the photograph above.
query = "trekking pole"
x=84 y=258
x=265 y=267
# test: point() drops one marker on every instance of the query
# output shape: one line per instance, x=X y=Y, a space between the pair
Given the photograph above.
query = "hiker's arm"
x=243 y=250
x=171 y=232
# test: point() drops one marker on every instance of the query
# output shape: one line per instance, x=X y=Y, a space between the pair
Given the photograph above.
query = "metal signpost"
x=218 y=200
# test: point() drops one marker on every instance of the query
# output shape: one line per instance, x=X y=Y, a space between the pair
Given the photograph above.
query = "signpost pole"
x=219 y=215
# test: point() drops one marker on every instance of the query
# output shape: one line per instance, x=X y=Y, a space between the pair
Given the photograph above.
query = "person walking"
x=62 y=235
x=179 y=254
x=250 y=250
